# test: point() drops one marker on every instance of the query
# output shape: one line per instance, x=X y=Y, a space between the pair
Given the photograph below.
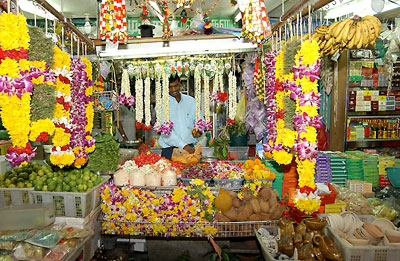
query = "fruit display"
x=46 y=178
x=350 y=33
x=264 y=206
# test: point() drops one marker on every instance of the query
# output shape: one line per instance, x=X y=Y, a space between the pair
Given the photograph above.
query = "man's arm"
x=122 y=131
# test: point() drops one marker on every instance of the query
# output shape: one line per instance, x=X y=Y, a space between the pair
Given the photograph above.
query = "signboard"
x=133 y=24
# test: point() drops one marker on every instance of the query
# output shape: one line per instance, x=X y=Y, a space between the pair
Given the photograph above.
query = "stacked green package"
x=370 y=166
x=354 y=166
x=277 y=169
x=338 y=167
x=396 y=162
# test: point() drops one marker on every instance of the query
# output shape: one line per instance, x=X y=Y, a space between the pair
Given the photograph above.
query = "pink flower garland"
x=79 y=101
x=269 y=101
x=128 y=101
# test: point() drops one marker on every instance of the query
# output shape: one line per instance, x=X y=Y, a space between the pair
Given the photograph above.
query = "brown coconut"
x=236 y=203
x=221 y=218
x=232 y=194
x=265 y=216
x=231 y=214
x=255 y=217
x=265 y=194
x=247 y=196
x=264 y=206
x=255 y=206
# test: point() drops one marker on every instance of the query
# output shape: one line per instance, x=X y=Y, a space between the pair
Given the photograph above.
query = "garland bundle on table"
x=139 y=212
x=301 y=86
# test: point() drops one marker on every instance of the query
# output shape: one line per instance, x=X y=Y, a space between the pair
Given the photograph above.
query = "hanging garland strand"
x=147 y=111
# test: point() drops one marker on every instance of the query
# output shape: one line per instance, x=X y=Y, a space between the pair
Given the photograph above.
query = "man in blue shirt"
x=182 y=113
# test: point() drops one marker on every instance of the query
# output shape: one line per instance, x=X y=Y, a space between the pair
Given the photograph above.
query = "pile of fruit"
x=350 y=33
x=257 y=170
x=44 y=178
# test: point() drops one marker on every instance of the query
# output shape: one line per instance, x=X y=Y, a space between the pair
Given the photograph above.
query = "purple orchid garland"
x=128 y=101
x=165 y=128
x=79 y=101
x=269 y=100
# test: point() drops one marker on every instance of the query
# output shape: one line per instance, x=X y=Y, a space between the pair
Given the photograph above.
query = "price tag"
x=335 y=56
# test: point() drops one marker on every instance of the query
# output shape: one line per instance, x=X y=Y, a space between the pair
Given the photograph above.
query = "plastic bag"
x=71 y=232
x=25 y=251
x=58 y=253
x=241 y=109
x=7 y=245
x=183 y=156
x=46 y=239
x=360 y=206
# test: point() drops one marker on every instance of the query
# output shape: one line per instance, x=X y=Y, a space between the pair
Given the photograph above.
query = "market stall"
x=283 y=140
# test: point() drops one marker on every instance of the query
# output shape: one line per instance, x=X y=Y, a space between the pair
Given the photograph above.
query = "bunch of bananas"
x=350 y=33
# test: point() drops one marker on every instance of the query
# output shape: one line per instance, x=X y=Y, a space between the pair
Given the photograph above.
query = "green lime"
x=41 y=172
x=50 y=174
x=21 y=185
x=74 y=190
x=87 y=171
x=93 y=178
x=80 y=188
x=59 y=189
x=90 y=185
x=86 y=177
x=80 y=181
x=12 y=186
x=66 y=188
x=44 y=188
x=29 y=185
x=60 y=180
x=32 y=176
x=72 y=183
x=2 y=177
x=52 y=186
x=20 y=180
x=85 y=187
x=72 y=177
x=39 y=182
x=67 y=179
x=7 y=182
x=14 y=180
x=38 y=187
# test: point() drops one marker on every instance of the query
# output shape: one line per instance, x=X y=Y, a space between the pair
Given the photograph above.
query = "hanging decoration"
x=206 y=103
x=126 y=97
x=300 y=85
x=147 y=109
x=232 y=103
x=258 y=80
x=139 y=103
x=144 y=16
x=199 y=123
x=166 y=126
x=184 y=16
x=256 y=26
x=158 y=107
x=207 y=23
x=113 y=25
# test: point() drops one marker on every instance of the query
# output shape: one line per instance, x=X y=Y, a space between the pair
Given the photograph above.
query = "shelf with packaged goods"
x=373 y=140
x=373 y=116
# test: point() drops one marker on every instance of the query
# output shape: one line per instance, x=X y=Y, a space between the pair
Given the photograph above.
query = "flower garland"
x=231 y=98
x=206 y=94
x=13 y=33
x=166 y=127
x=167 y=215
x=199 y=123
x=139 y=103
x=81 y=141
x=307 y=201
x=256 y=24
x=61 y=153
x=126 y=97
x=158 y=106
x=269 y=100
x=147 y=109
x=113 y=25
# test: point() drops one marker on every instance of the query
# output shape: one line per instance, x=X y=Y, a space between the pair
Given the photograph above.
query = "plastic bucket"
x=394 y=176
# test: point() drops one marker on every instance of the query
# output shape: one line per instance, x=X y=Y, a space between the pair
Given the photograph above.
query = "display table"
x=242 y=152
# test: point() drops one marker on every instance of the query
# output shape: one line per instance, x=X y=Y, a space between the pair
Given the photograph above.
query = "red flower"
x=280 y=114
x=60 y=100
x=222 y=96
x=229 y=121
x=67 y=106
x=44 y=136
x=146 y=127
x=307 y=190
x=138 y=125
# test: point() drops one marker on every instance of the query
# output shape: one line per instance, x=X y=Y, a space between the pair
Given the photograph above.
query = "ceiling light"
x=87 y=28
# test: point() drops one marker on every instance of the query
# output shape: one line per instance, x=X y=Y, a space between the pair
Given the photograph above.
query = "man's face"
x=174 y=88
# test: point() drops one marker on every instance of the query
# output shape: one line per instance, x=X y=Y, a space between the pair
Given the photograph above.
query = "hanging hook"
x=283 y=10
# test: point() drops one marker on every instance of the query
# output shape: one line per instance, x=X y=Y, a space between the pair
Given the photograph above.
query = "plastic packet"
x=71 y=232
x=58 y=253
x=7 y=245
x=17 y=236
x=25 y=251
x=6 y=258
x=71 y=243
x=385 y=211
x=359 y=206
x=45 y=238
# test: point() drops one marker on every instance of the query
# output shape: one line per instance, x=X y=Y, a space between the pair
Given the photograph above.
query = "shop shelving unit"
x=340 y=113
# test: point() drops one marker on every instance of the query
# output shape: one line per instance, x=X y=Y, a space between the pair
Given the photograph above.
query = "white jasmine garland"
x=158 y=103
x=139 y=99
x=221 y=82
x=147 y=111
x=216 y=82
x=206 y=97
x=125 y=85
x=165 y=97
x=197 y=94
x=232 y=96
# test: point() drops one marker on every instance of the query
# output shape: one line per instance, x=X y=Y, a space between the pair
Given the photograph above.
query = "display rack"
x=187 y=229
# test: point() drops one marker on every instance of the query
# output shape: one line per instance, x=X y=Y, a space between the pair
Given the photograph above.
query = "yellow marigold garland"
x=40 y=126
x=13 y=32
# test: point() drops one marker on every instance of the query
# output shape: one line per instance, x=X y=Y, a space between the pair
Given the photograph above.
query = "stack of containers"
x=354 y=166
x=338 y=167
x=384 y=162
x=323 y=173
x=289 y=183
x=277 y=169
x=370 y=166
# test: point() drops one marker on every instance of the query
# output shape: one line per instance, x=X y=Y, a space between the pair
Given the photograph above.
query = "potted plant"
x=237 y=133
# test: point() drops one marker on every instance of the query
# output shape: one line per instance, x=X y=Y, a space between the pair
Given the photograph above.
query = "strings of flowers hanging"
x=61 y=153
x=231 y=99
x=81 y=141
x=206 y=95
x=199 y=123
x=126 y=98
x=113 y=25
x=139 y=103
x=256 y=26
x=147 y=109
x=167 y=125
x=269 y=100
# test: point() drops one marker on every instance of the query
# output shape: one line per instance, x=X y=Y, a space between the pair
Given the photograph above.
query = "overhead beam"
x=318 y=5
x=62 y=19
